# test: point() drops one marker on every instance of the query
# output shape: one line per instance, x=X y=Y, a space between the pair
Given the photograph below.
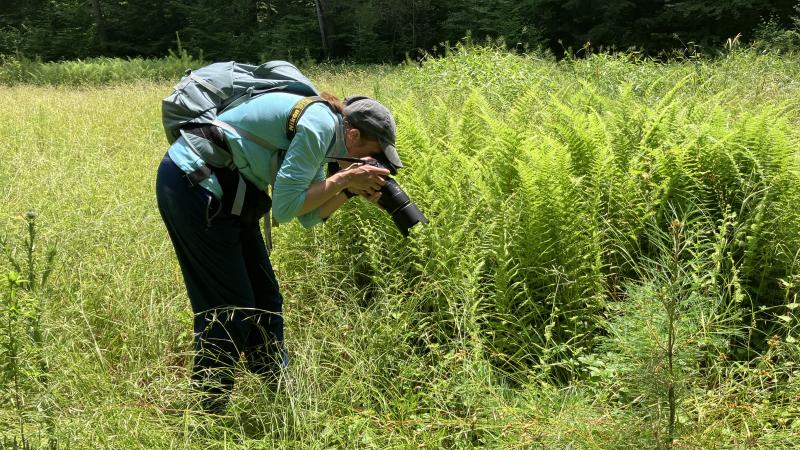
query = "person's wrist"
x=342 y=180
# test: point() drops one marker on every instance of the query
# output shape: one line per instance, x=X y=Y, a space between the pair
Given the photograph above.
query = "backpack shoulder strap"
x=245 y=134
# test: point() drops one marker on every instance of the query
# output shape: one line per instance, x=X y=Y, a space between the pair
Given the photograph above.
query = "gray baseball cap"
x=373 y=118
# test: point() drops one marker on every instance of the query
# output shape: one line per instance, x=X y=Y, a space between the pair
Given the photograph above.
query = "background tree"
x=369 y=30
x=322 y=8
x=99 y=24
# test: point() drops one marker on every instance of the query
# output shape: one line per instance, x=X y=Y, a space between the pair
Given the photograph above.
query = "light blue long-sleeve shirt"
x=266 y=117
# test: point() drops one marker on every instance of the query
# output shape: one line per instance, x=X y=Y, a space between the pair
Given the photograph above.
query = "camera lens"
x=392 y=196
x=407 y=217
x=396 y=202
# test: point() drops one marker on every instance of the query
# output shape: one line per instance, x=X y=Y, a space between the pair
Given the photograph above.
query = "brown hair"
x=333 y=102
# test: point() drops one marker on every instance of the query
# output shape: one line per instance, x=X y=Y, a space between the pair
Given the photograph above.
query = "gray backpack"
x=203 y=94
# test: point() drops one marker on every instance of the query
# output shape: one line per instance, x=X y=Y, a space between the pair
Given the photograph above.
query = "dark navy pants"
x=231 y=285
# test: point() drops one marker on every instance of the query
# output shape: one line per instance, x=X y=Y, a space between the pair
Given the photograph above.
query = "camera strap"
x=352 y=160
x=297 y=111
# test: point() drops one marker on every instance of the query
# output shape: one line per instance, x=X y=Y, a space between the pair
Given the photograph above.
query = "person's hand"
x=373 y=198
x=366 y=180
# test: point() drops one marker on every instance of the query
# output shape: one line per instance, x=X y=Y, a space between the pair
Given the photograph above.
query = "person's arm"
x=336 y=202
x=360 y=178
x=332 y=205
x=329 y=207
x=301 y=166
x=320 y=214
x=296 y=193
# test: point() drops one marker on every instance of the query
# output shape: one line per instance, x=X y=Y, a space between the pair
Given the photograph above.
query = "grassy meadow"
x=613 y=261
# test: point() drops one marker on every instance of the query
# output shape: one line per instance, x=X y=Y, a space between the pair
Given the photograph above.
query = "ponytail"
x=333 y=102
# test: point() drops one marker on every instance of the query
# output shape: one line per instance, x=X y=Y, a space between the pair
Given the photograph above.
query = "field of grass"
x=613 y=261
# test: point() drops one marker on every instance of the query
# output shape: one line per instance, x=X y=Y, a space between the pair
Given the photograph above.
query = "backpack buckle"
x=196 y=176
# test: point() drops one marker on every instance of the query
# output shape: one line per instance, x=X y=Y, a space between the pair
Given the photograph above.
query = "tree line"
x=370 y=30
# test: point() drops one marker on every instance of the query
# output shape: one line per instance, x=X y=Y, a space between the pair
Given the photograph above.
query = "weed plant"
x=25 y=370
x=612 y=262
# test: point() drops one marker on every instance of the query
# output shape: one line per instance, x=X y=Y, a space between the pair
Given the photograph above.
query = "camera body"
x=394 y=200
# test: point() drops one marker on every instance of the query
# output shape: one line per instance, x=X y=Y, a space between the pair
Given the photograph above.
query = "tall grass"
x=529 y=312
x=94 y=71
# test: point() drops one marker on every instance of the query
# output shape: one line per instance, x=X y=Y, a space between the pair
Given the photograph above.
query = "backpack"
x=203 y=94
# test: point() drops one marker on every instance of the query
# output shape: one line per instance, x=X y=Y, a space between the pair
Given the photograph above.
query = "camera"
x=393 y=199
